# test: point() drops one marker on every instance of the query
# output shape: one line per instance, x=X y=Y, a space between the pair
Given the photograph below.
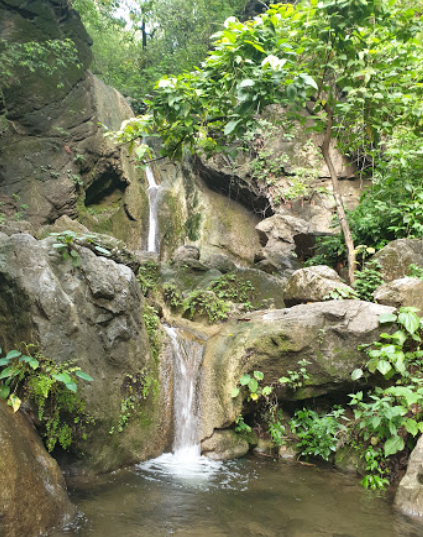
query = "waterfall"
x=153 y=232
x=187 y=354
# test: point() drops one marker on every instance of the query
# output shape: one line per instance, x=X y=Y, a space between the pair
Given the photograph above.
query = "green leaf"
x=393 y=445
x=4 y=391
x=34 y=363
x=71 y=386
x=63 y=377
x=357 y=374
x=387 y=318
x=247 y=83
x=253 y=385
x=384 y=367
x=84 y=376
x=235 y=393
x=409 y=320
x=412 y=427
x=4 y=361
x=245 y=379
x=267 y=390
x=231 y=126
x=6 y=373
x=258 y=375
x=13 y=354
x=309 y=81
x=14 y=402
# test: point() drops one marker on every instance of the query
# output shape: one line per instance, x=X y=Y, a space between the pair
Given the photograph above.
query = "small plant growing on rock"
x=66 y=242
x=52 y=387
x=203 y=302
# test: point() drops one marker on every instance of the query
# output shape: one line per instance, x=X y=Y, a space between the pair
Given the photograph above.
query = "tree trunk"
x=144 y=34
x=349 y=243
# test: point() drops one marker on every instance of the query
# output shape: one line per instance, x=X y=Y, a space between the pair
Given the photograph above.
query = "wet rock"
x=326 y=334
x=33 y=497
x=91 y=316
x=402 y=292
x=185 y=253
x=221 y=262
x=312 y=284
x=397 y=256
x=224 y=445
x=409 y=495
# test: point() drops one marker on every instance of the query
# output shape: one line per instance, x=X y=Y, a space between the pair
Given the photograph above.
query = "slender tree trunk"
x=349 y=243
x=144 y=34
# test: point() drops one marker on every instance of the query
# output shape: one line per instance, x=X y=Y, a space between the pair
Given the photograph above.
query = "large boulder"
x=33 y=496
x=91 y=315
x=55 y=160
x=327 y=334
x=313 y=284
x=397 y=256
x=402 y=292
x=225 y=445
x=409 y=496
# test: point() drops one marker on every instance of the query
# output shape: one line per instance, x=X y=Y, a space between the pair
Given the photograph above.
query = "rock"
x=92 y=316
x=55 y=159
x=184 y=253
x=409 y=495
x=402 y=292
x=220 y=262
x=312 y=284
x=224 y=445
x=397 y=256
x=277 y=237
x=33 y=496
x=327 y=334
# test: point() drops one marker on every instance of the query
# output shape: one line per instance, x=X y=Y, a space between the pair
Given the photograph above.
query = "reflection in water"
x=236 y=499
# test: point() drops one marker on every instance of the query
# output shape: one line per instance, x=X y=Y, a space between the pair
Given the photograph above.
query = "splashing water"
x=185 y=462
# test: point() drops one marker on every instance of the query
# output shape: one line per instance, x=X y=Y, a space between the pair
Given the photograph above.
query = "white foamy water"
x=153 y=231
x=185 y=462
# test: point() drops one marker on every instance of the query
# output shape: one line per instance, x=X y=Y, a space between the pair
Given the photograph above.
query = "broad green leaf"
x=84 y=376
x=102 y=250
x=4 y=391
x=409 y=320
x=387 y=318
x=245 y=379
x=231 y=126
x=235 y=392
x=6 y=373
x=253 y=385
x=357 y=374
x=71 y=386
x=393 y=445
x=258 y=375
x=384 y=367
x=247 y=83
x=4 y=361
x=63 y=377
x=34 y=363
x=13 y=354
x=267 y=390
x=412 y=427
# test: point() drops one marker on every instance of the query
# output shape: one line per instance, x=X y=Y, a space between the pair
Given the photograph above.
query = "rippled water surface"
x=186 y=495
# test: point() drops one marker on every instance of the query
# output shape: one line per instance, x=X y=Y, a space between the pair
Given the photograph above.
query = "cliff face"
x=54 y=158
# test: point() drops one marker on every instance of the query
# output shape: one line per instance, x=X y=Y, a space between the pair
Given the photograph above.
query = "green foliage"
x=319 y=434
x=368 y=279
x=136 y=389
x=49 y=57
x=241 y=427
x=296 y=379
x=205 y=302
x=341 y=293
x=66 y=245
x=416 y=271
x=52 y=387
x=192 y=226
x=229 y=287
x=152 y=325
x=172 y=295
x=148 y=275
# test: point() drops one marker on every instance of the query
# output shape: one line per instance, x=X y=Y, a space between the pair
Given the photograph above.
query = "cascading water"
x=185 y=461
x=153 y=232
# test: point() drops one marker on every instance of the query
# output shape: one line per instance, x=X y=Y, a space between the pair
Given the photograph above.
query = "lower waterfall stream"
x=182 y=493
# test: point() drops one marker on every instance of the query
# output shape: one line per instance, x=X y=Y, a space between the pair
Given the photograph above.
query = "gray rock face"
x=91 y=315
x=402 y=292
x=326 y=333
x=184 y=253
x=224 y=445
x=54 y=156
x=312 y=284
x=409 y=496
x=33 y=496
x=397 y=256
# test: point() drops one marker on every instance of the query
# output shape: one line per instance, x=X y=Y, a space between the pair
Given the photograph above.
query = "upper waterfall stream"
x=153 y=229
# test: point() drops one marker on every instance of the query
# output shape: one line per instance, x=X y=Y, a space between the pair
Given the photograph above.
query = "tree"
x=354 y=66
